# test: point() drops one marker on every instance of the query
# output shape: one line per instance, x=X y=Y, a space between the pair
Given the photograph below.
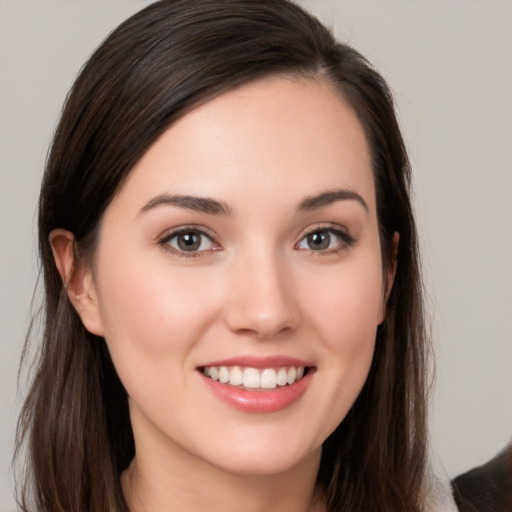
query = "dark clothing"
x=487 y=488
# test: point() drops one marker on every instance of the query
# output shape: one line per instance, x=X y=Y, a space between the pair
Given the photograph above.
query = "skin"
x=256 y=287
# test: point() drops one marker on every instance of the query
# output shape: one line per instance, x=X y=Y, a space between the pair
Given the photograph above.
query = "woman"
x=233 y=313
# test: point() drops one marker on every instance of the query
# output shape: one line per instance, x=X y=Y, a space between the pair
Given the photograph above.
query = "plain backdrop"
x=449 y=64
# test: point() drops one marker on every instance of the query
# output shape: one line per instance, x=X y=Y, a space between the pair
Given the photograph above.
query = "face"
x=238 y=278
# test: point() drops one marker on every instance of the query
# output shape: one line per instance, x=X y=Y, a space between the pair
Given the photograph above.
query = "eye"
x=188 y=240
x=325 y=240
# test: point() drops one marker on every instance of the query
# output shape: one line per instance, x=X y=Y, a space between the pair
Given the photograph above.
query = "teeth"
x=253 y=378
x=268 y=379
x=236 y=377
x=214 y=373
x=282 y=377
x=223 y=375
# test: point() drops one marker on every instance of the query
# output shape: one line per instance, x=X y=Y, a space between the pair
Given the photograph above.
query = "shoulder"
x=487 y=487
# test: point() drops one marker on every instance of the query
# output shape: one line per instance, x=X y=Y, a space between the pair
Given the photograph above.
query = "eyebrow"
x=329 y=197
x=214 y=207
x=198 y=204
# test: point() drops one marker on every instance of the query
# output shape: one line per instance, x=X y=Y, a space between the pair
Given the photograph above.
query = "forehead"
x=262 y=138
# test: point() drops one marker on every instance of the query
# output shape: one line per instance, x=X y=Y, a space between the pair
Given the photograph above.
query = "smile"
x=258 y=384
x=255 y=378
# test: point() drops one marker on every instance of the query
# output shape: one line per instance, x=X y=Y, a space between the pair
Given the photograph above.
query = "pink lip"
x=260 y=362
x=259 y=401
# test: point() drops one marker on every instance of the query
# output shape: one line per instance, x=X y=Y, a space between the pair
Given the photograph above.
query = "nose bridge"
x=261 y=301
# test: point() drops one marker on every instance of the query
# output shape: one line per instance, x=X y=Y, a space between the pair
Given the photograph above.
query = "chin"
x=267 y=460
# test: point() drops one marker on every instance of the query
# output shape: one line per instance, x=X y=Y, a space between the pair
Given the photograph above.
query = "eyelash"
x=346 y=240
x=185 y=230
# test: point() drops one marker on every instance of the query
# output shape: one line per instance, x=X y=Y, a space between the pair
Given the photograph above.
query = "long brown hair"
x=152 y=69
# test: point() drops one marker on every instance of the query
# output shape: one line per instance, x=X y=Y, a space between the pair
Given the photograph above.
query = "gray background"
x=450 y=66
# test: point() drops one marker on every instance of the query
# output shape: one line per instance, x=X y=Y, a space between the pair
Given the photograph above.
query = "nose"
x=261 y=300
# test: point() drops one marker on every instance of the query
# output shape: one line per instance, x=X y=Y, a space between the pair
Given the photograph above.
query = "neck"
x=180 y=487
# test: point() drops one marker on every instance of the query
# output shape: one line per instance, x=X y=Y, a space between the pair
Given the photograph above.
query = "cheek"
x=152 y=320
x=347 y=308
x=149 y=311
x=346 y=312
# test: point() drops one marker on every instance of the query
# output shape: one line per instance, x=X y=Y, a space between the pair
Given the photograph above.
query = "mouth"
x=258 y=385
x=254 y=379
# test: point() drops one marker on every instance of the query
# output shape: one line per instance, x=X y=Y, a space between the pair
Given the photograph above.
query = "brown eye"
x=189 y=241
x=319 y=240
x=326 y=240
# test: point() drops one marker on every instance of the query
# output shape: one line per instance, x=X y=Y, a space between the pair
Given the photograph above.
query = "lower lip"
x=259 y=401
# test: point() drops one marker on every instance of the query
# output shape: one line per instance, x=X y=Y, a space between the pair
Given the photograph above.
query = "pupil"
x=319 y=240
x=189 y=241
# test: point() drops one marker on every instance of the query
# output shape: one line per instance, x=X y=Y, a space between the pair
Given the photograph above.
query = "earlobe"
x=77 y=280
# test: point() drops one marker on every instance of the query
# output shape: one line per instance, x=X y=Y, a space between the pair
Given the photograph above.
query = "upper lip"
x=248 y=361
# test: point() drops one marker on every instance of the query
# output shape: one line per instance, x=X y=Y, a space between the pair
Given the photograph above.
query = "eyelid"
x=341 y=232
x=169 y=233
x=166 y=236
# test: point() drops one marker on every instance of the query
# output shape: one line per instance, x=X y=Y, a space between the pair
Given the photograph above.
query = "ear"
x=390 y=277
x=77 y=279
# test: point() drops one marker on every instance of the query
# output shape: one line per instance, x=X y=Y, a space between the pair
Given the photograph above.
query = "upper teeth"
x=265 y=378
